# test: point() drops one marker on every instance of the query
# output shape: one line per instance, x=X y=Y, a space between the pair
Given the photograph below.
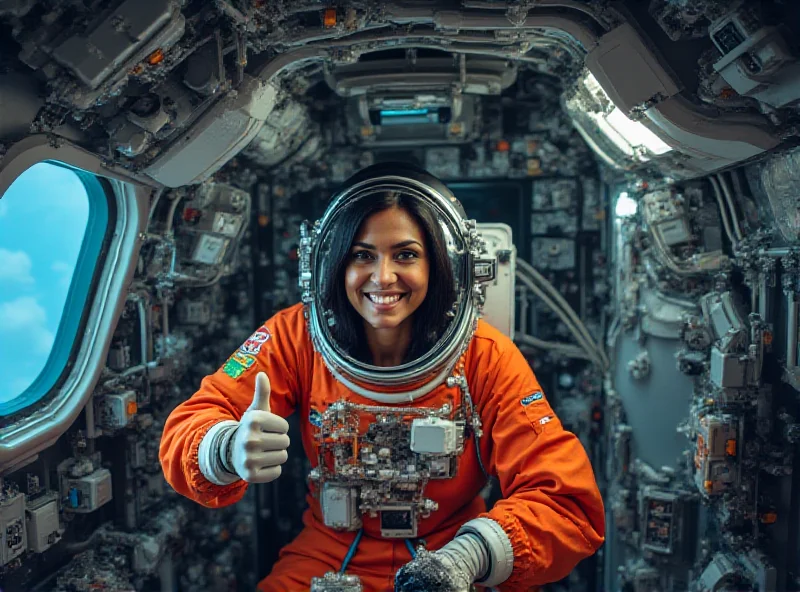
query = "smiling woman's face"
x=386 y=278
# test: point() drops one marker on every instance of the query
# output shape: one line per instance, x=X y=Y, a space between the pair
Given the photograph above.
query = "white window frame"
x=39 y=426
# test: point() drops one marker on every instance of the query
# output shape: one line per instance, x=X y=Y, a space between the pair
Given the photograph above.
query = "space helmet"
x=465 y=246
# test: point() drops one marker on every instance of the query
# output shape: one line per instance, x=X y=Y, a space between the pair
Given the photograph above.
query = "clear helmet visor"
x=443 y=323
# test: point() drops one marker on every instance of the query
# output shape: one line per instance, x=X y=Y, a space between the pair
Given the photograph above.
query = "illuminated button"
x=156 y=57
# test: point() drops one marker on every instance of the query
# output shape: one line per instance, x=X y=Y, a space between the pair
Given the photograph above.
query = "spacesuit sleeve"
x=277 y=348
x=551 y=512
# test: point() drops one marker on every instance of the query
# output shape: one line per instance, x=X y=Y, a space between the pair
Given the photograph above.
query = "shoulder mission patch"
x=233 y=368
x=537 y=396
x=237 y=364
x=255 y=341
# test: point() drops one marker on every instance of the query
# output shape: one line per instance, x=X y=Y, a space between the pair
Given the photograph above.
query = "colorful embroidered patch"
x=537 y=396
x=245 y=360
x=255 y=341
x=315 y=418
x=233 y=368
x=237 y=364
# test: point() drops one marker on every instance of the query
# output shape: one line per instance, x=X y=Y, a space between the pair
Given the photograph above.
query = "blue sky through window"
x=43 y=220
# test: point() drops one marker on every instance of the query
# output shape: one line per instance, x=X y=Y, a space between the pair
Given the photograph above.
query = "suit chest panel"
x=374 y=459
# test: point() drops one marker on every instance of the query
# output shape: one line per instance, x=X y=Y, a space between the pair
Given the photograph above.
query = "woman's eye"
x=361 y=255
x=407 y=255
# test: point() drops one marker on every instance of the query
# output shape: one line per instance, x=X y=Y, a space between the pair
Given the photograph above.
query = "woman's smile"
x=383 y=302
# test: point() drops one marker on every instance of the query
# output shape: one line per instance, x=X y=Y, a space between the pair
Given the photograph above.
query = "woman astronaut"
x=408 y=404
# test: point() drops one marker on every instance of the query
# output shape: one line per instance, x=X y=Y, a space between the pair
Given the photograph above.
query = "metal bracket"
x=485 y=270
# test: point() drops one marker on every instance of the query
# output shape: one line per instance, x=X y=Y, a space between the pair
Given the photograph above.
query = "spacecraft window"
x=53 y=223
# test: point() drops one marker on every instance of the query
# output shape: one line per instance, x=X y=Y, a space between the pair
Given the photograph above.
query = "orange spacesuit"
x=551 y=509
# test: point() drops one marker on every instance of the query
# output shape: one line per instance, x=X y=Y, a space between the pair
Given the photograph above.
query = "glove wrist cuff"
x=467 y=555
x=501 y=553
x=226 y=448
x=210 y=450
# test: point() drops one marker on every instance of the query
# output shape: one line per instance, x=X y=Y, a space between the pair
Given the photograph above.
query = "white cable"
x=529 y=269
x=723 y=211
x=171 y=212
x=726 y=190
x=587 y=346
x=584 y=345
x=613 y=331
x=566 y=349
x=566 y=307
x=156 y=197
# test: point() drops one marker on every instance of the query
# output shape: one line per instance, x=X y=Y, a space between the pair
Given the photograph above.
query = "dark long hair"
x=429 y=320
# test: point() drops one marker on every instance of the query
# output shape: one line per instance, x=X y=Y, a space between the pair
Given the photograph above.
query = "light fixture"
x=636 y=142
x=625 y=206
x=636 y=133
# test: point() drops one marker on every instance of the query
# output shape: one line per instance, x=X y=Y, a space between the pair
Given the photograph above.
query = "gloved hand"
x=257 y=448
x=453 y=568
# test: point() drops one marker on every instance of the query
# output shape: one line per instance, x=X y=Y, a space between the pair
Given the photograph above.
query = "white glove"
x=453 y=568
x=252 y=449
x=257 y=448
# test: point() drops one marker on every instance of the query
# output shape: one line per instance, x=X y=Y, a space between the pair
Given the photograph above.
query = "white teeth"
x=377 y=299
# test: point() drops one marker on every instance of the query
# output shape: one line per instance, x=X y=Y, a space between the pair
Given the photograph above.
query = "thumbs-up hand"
x=258 y=448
